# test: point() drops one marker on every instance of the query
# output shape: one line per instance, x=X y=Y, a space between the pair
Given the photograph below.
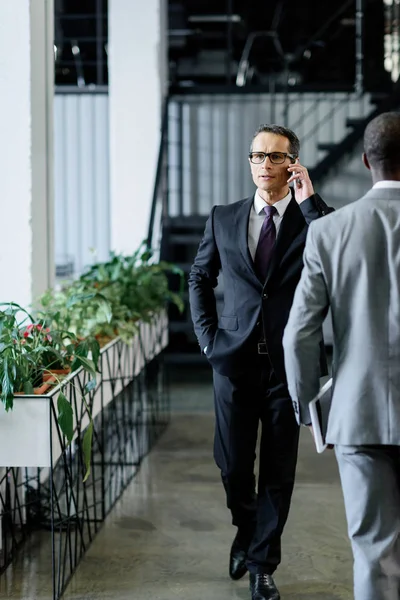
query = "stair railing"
x=159 y=205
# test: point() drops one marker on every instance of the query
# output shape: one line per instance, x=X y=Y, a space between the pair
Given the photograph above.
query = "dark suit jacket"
x=249 y=304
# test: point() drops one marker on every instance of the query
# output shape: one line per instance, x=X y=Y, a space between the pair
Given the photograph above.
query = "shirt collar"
x=386 y=184
x=281 y=205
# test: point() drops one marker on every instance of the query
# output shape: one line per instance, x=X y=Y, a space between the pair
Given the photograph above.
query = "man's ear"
x=366 y=161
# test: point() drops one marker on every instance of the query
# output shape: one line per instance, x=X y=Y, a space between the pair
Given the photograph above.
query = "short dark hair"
x=294 y=142
x=382 y=141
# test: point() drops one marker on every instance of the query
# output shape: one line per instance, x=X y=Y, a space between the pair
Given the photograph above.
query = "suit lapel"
x=292 y=224
x=242 y=217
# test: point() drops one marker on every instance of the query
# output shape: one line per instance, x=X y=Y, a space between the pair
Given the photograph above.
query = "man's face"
x=266 y=176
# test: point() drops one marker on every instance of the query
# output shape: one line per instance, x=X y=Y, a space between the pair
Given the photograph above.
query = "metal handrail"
x=318 y=34
x=244 y=64
x=159 y=172
x=328 y=116
x=305 y=114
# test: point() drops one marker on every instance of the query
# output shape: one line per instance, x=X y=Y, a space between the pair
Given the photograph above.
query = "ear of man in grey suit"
x=352 y=266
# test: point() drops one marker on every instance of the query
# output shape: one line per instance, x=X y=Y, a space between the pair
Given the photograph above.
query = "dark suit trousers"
x=240 y=405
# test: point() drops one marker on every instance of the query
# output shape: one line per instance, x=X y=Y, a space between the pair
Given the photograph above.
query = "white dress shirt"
x=257 y=216
x=386 y=184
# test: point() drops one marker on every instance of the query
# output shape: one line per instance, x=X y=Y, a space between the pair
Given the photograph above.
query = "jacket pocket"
x=225 y=322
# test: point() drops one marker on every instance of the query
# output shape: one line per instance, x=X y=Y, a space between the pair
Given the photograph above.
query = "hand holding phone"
x=299 y=176
x=297 y=182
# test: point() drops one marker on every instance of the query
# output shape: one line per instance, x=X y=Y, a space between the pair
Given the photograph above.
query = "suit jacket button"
x=265 y=296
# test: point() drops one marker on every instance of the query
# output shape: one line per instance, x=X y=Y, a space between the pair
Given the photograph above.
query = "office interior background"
x=124 y=122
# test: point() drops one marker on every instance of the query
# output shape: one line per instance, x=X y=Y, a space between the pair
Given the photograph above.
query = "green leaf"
x=82 y=349
x=104 y=312
x=75 y=365
x=84 y=362
x=87 y=449
x=65 y=417
x=95 y=350
x=28 y=387
x=91 y=384
x=7 y=385
x=77 y=298
x=177 y=300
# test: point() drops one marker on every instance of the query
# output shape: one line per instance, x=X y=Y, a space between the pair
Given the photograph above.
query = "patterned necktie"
x=266 y=243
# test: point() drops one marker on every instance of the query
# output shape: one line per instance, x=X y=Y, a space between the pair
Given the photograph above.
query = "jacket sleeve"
x=314 y=208
x=303 y=333
x=202 y=281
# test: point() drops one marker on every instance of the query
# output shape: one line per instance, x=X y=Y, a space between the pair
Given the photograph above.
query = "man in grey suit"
x=352 y=265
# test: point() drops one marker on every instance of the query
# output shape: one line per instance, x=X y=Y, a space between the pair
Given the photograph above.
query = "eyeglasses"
x=277 y=158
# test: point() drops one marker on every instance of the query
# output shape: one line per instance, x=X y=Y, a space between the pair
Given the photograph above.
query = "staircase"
x=207 y=131
x=205 y=146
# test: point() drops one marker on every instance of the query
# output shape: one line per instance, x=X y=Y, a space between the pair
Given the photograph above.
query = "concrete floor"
x=169 y=535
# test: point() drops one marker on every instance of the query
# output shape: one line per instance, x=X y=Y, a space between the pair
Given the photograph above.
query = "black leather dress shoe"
x=262 y=587
x=237 y=559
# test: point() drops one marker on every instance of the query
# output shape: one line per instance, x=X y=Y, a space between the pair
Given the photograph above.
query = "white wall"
x=82 y=195
x=42 y=148
x=26 y=78
x=136 y=64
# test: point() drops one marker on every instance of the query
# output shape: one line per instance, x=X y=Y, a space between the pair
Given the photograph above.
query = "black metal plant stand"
x=130 y=406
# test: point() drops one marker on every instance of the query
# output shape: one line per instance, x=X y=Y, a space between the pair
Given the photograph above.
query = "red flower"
x=28 y=330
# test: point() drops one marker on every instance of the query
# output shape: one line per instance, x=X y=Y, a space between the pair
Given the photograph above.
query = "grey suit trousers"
x=370 y=478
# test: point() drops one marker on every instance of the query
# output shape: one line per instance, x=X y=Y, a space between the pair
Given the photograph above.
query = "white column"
x=26 y=122
x=137 y=66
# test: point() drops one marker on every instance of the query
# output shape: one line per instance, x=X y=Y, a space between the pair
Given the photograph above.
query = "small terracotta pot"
x=48 y=376
x=103 y=339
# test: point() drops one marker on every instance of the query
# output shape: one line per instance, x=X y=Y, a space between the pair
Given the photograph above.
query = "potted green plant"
x=135 y=287
x=29 y=352
x=114 y=298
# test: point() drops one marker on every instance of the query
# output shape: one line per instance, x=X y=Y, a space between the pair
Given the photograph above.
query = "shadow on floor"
x=168 y=537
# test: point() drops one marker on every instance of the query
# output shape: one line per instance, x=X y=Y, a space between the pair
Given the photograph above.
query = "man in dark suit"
x=257 y=244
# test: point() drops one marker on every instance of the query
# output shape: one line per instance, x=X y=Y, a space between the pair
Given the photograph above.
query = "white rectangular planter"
x=25 y=432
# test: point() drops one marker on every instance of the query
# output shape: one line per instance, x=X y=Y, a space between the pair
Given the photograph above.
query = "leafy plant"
x=109 y=299
x=21 y=367
x=74 y=310
x=135 y=288
x=27 y=352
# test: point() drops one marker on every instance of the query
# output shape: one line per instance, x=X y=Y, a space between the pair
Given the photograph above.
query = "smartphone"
x=297 y=182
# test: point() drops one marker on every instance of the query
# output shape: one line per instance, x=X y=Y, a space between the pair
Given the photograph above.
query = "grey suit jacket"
x=352 y=265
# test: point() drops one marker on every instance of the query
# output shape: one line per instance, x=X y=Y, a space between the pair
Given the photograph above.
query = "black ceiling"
x=306 y=42
x=313 y=40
